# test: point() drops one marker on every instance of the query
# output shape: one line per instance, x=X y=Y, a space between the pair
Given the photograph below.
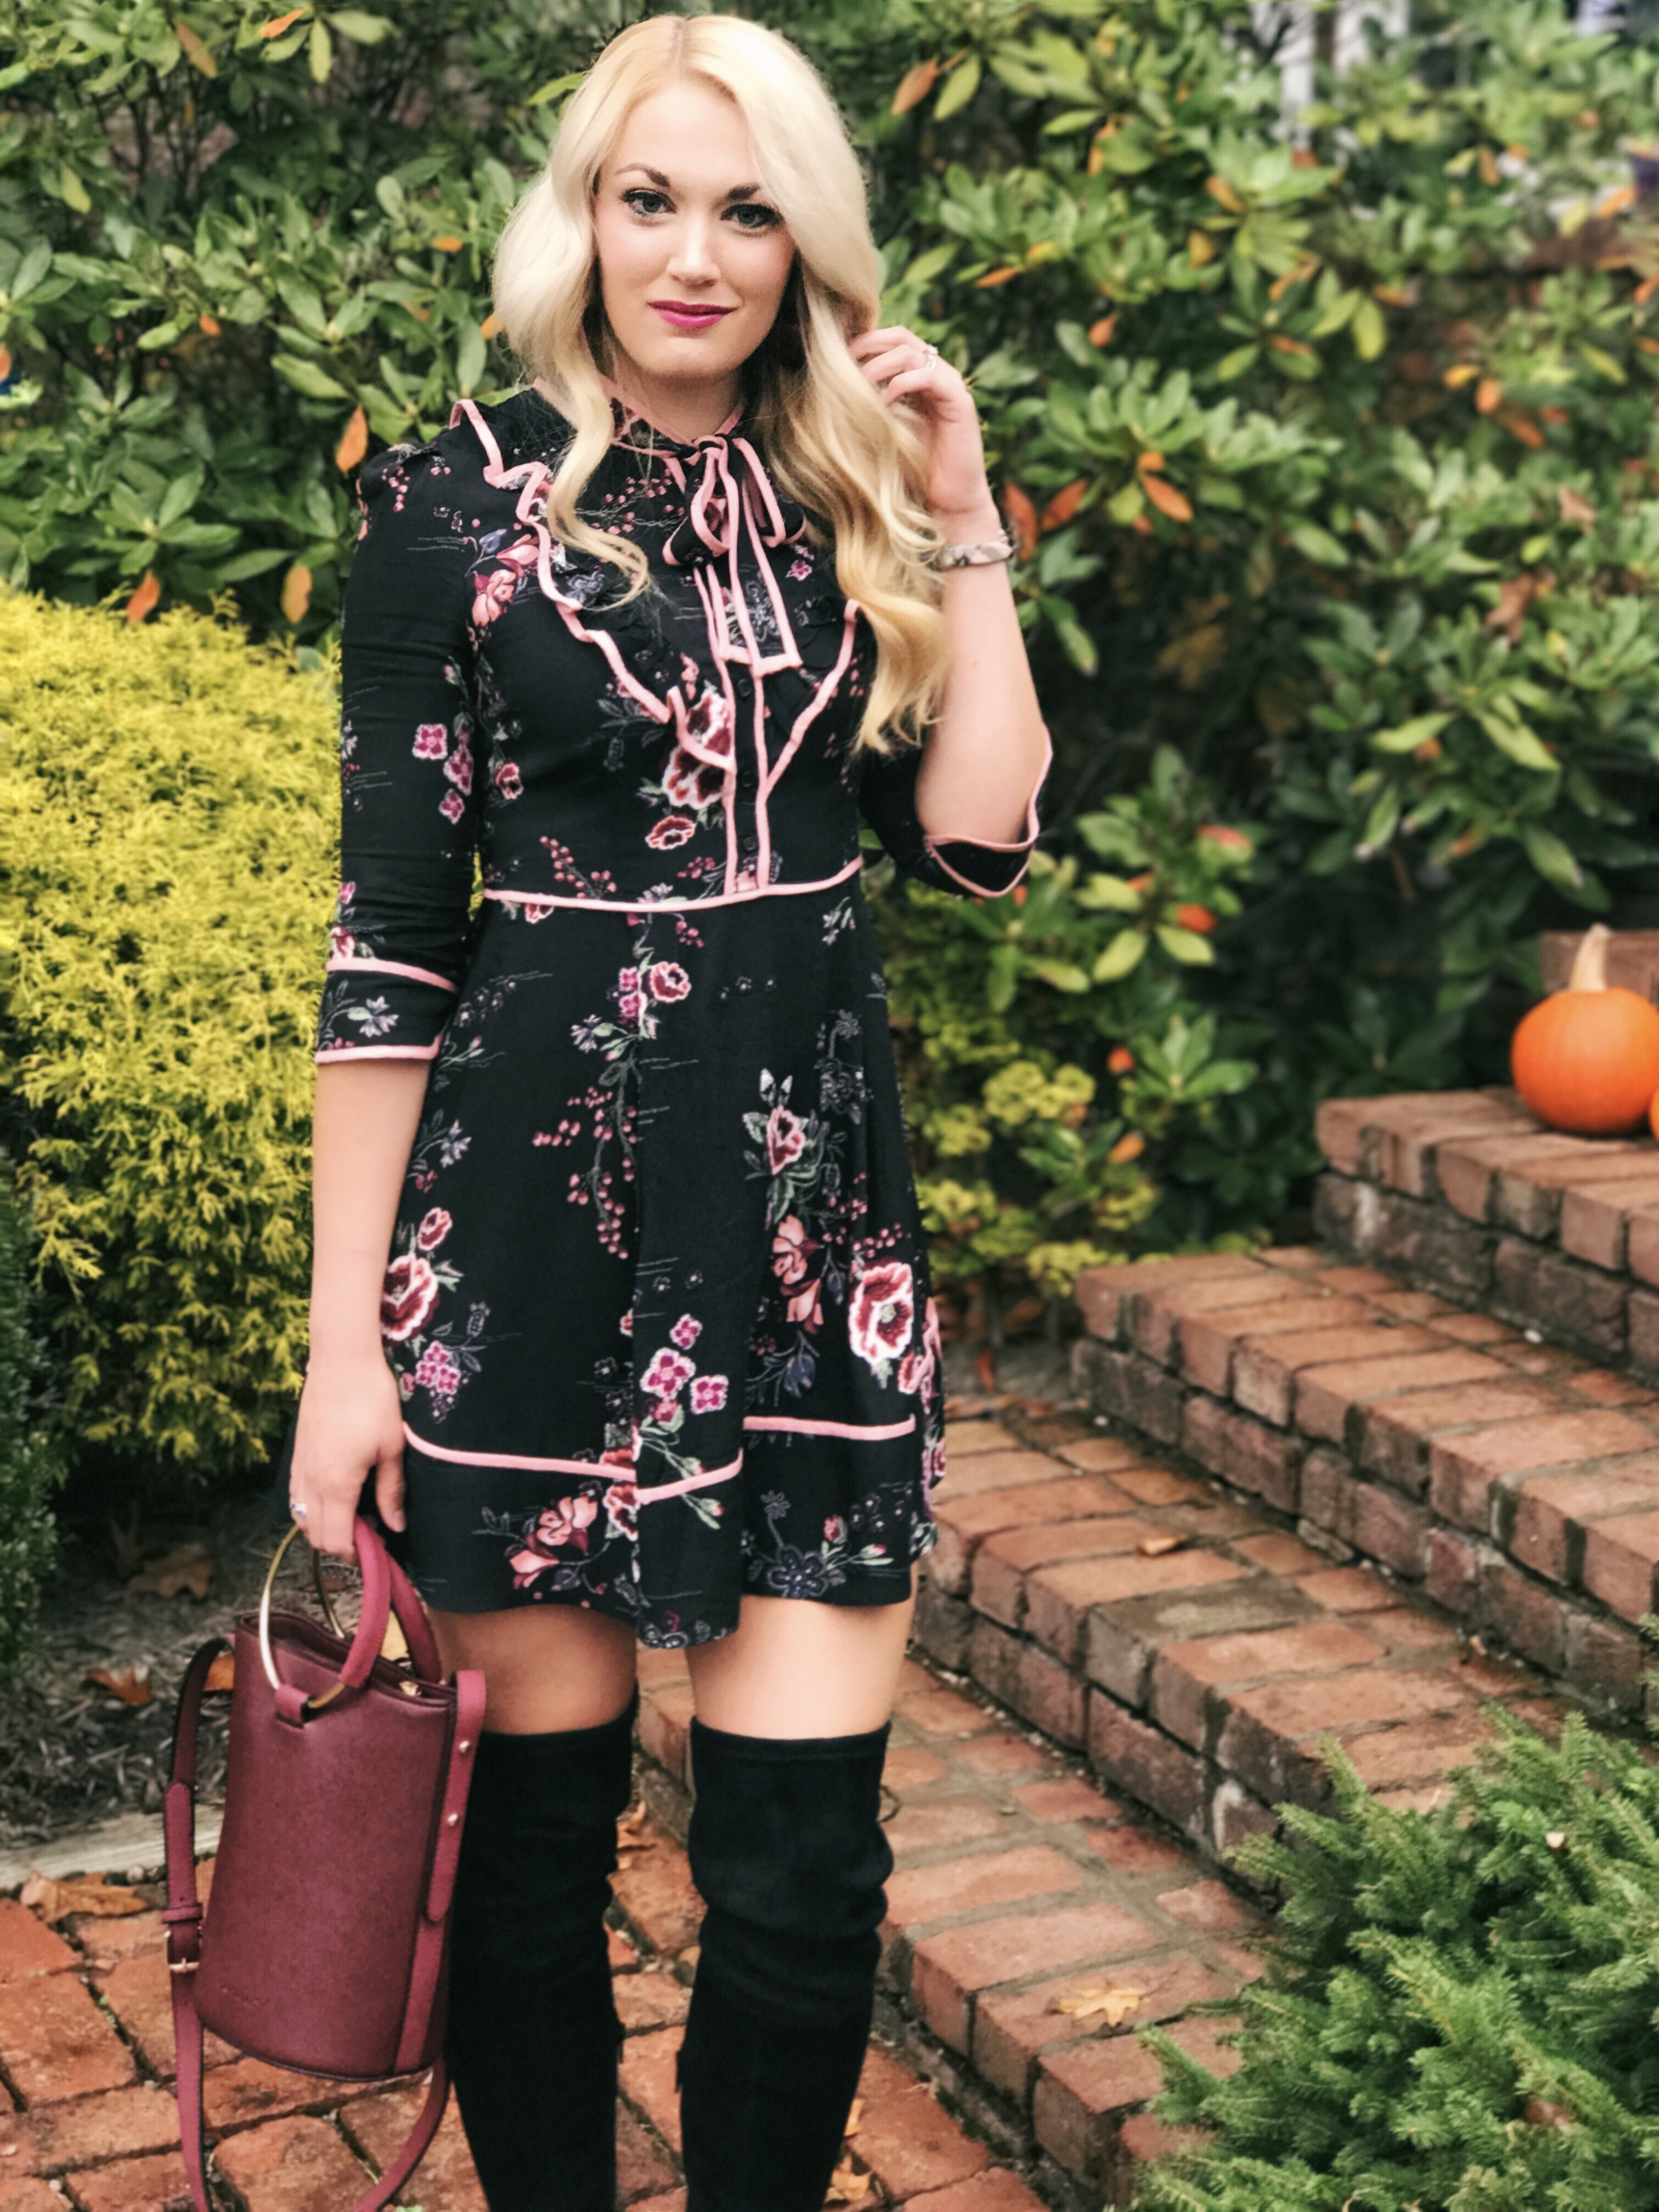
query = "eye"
x=752 y=215
x=646 y=202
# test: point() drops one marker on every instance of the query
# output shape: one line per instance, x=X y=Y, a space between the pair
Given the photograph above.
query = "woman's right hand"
x=350 y=1424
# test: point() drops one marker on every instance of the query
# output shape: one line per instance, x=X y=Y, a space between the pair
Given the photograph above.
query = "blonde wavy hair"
x=830 y=442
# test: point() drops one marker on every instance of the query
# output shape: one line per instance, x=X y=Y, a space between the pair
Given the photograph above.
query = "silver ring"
x=930 y=354
x=296 y=1509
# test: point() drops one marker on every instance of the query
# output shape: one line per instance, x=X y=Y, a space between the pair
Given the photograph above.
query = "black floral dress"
x=657 y=1298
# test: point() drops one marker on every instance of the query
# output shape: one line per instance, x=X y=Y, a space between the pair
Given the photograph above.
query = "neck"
x=686 y=408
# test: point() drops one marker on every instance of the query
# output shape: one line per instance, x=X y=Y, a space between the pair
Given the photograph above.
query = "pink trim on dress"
x=932 y=839
x=820 y=699
x=788 y=1424
x=378 y=1051
x=356 y=963
x=592 y=1470
x=676 y=905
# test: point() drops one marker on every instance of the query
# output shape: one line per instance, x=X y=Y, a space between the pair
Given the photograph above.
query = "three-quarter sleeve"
x=887 y=800
x=408 y=804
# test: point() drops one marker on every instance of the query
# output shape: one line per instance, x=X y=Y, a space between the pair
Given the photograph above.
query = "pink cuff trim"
x=932 y=839
x=357 y=963
x=786 y=1424
x=378 y=1051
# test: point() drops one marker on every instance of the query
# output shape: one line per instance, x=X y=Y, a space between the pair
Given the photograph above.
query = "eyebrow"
x=640 y=168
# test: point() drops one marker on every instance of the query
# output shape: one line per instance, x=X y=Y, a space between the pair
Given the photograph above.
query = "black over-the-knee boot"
x=533 y=2031
x=788 y=1850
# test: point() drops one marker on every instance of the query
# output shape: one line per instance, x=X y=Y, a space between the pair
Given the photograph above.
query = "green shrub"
x=168 y=799
x=29 y=1464
x=1458 y=2011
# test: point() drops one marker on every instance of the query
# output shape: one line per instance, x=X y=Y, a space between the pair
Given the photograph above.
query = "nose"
x=693 y=260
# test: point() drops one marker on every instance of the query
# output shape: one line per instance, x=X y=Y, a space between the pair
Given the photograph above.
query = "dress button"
x=746 y=778
x=742 y=686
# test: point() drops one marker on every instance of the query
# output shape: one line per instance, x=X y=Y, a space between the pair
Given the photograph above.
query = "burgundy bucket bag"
x=324 y=1947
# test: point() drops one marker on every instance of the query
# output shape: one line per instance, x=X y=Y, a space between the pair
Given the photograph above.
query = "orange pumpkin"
x=1587 y=1059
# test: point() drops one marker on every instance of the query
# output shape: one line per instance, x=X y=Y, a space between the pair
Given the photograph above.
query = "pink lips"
x=680 y=316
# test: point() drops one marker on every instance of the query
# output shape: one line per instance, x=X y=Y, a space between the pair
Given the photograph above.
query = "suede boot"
x=533 y=2032
x=787 y=1850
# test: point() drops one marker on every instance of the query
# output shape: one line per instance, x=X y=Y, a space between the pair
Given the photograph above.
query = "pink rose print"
x=348 y=892
x=663 y=1410
x=627 y=979
x=688 y=782
x=785 y=1138
x=626 y=1324
x=668 y=981
x=410 y=1293
x=882 y=1316
x=791 y=1247
x=342 y=944
x=438 y=1372
x=435 y=1227
x=493 y=595
x=834 y=1529
x=627 y=1007
x=452 y=807
x=673 y=829
x=709 y=1393
x=912 y=1372
x=933 y=1464
x=805 y=1308
x=710 y=722
x=537 y=909
x=622 y=1510
x=563 y=1526
x=685 y=1332
x=431 y=741
x=458 y=768
x=508 y=782
x=667 y=1375
x=799 y=569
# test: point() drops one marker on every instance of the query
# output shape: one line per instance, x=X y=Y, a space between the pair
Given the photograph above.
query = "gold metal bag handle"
x=394 y=1645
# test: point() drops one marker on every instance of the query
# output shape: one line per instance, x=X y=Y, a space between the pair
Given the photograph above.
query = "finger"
x=894 y=363
x=891 y=334
x=389 y=1489
x=919 y=381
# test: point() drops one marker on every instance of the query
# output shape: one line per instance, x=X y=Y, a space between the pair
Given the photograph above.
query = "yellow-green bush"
x=167 y=795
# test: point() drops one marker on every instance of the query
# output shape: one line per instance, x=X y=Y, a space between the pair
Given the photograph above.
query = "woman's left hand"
x=901 y=366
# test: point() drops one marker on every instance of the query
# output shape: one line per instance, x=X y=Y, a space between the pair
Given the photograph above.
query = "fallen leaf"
x=448 y=243
x=354 y=443
x=1115 y=2003
x=1127 y=1148
x=296 y=591
x=1515 y=595
x=5 y=364
x=132 y=1687
x=992 y=277
x=1459 y=374
x=1645 y=290
x=853 y=2118
x=208 y=326
x=56 y=1900
x=221 y=1674
x=1521 y=426
x=1490 y=175
x=1154 y=1547
x=1488 y=395
x=630 y=1836
x=985 y=1366
x=196 y=50
x=143 y=599
x=1541 y=2113
x=1223 y=195
x=187 y=1567
x=848 y=2187
x=1100 y=333
x=914 y=85
x=1556 y=1838
x=278 y=24
x=491 y=325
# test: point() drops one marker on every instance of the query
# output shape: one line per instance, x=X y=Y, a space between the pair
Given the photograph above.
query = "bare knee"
x=544 y=1668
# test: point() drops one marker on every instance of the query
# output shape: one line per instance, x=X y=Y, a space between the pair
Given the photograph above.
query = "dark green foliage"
x=29 y=1468
x=1458 y=2012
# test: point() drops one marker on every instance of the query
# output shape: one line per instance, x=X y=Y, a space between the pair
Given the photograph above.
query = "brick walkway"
x=86 y=2052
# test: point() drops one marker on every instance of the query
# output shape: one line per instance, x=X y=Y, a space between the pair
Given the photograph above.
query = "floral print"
x=657 y=1297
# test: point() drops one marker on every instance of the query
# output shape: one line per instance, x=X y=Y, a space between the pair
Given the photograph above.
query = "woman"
x=653 y=1360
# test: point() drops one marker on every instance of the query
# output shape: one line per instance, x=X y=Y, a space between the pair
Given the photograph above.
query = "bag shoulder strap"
x=182 y=1917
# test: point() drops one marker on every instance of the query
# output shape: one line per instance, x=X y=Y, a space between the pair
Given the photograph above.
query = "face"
x=694 y=260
